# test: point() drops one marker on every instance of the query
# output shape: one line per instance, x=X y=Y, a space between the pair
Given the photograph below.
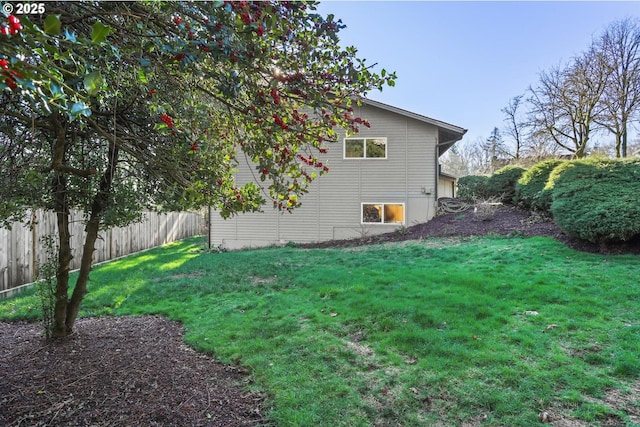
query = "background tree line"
x=588 y=105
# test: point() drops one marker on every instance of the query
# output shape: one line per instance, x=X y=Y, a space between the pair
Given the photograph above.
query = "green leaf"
x=93 y=82
x=100 y=32
x=145 y=63
x=52 y=25
x=56 y=90
x=142 y=77
x=70 y=36
x=26 y=83
x=79 y=109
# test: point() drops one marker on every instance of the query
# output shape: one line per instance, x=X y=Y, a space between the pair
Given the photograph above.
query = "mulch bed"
x=137 y=371
x=118 y=371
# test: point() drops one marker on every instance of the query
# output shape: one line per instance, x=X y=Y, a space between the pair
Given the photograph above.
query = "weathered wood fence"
x=22 y=249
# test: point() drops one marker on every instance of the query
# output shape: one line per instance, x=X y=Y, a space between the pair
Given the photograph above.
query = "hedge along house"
x=385 y=177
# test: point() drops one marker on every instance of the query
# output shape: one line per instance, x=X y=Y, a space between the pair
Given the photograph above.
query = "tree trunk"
x=624 y=138
x=60 y=198
x=98 y=208
x=64 y=255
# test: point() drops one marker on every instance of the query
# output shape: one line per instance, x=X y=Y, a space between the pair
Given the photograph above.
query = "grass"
x=436 y=332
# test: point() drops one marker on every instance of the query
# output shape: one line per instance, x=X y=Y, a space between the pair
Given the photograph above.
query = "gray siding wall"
x=332 y=208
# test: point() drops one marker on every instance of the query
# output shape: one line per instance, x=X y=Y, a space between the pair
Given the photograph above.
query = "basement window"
x=365 y=148
x=383 y=213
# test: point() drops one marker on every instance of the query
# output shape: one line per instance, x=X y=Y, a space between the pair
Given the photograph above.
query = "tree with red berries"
x=112 y=107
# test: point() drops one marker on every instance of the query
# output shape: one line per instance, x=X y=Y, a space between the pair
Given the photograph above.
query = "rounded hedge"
x=597 y=199
x=503 y=183
x=530 y=192
x=472 y=187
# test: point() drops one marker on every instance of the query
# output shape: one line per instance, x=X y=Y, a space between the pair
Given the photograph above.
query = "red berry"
x=11 y=82
x=13 y=20
x=4 y=64
x=167 y=119
x=177 y=20
x=4 y=30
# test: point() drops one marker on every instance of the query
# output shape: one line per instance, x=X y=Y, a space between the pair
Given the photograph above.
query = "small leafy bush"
x=597 y=199
x=485 y=210
x=472 y=187
x=502 y=183
x=530 y=188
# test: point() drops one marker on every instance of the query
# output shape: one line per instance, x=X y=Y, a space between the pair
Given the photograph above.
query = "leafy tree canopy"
x=180 y=89
x=110 y=107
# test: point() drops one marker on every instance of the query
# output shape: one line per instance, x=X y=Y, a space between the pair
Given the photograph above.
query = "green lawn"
x=435 y=332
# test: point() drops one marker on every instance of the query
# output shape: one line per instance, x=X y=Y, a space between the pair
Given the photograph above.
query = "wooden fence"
x=22 y=249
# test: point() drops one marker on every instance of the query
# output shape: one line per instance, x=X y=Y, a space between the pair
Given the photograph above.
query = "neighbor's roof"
x=449 y=134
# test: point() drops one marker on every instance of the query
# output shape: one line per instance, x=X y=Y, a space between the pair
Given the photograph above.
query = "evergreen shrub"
x=472 y=187
x=502 y=183
x=530 y=188
x=597 y=199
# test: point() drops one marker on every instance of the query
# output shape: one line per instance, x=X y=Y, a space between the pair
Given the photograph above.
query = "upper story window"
x=365 y=148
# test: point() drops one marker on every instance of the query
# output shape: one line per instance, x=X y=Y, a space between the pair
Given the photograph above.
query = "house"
x=385 y=177
x=447 y=185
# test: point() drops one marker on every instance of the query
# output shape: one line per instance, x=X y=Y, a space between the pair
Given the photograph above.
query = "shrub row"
x=501 y=185
x=530 y=189
x=597 y=199
x=594 y=199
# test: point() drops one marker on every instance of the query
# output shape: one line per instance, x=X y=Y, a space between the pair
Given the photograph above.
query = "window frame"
x=364 y=148
x=404 y=213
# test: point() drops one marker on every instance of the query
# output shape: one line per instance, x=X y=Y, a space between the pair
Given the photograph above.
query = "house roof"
x=448 y=134
x=448 y=175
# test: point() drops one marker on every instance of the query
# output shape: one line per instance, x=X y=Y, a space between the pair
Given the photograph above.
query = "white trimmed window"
x=382 y=213
x=365 y=148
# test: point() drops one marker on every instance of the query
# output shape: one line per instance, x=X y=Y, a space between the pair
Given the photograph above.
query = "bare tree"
x=619 y=55
x=567 y=101
x=541 y=146
x=467 y=158
x=516 y=127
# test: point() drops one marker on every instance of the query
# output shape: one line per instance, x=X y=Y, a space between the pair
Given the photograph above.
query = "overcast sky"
x=461 y=62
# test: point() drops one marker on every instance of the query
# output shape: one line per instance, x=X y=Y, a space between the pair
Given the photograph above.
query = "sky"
x=461 y=62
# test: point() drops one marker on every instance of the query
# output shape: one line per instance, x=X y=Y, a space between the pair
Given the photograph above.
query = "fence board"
x=22 y=249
